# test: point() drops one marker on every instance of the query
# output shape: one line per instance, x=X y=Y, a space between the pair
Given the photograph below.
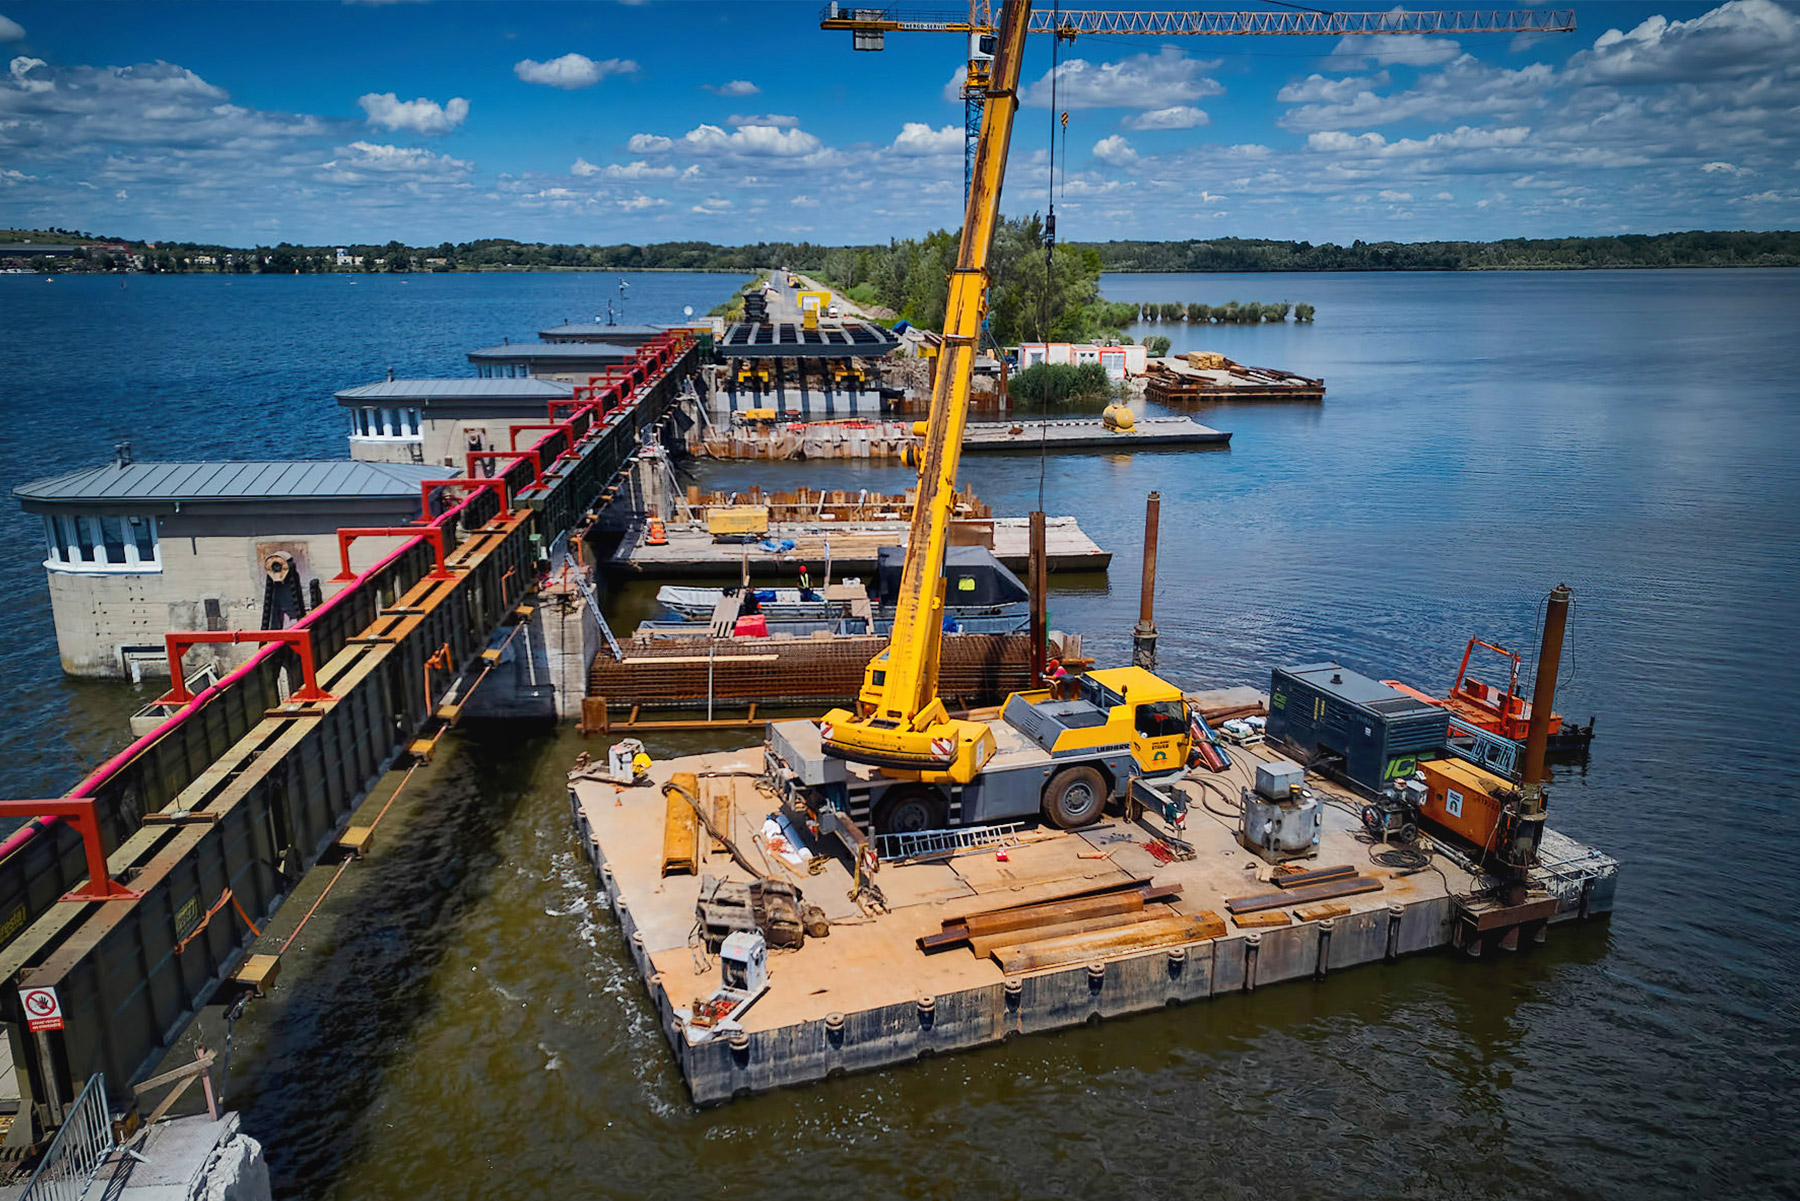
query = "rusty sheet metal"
x=976 y=669
x=1330 y=890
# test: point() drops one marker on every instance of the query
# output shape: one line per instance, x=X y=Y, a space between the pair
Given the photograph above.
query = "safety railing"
x=1483 y=748
x=78 y=1150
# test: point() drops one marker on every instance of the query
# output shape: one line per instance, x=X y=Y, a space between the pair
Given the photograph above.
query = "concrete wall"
x=444 y=435
x=105 y=620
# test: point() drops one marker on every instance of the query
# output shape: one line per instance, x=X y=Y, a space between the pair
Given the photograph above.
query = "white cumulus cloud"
x=781 y=120
x=638 y=169
x=388 y=111
x=572 y=71
x=1178 y=116
x=648 y=143
x=754 y=141
x=733 y=87
x=10 y=30
x=641 y=203
x=1737 y=38
x=1147 y=81
x=21 y=70
x=1115 y=150
x=362 y=161
x=1385 y=49
x=916 y=138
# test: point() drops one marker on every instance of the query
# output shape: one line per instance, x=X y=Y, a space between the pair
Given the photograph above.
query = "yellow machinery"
x=734 y=521
x=812 y=306
x=900 y=724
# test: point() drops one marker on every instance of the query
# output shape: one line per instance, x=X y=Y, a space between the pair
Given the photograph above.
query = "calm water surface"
x=462 y=1020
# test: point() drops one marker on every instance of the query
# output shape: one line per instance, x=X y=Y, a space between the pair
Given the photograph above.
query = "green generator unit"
x=1363 y=730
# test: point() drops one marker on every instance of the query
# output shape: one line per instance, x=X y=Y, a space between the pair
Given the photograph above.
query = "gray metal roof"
x=457 y=389
x=298 y=479
x=599 y=331
x=1358 y=689
x=553 y=350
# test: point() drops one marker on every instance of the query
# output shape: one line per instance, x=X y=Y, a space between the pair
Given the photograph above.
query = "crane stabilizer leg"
x=902 y=723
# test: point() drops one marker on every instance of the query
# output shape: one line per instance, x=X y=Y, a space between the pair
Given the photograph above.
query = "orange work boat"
x=1505 y=713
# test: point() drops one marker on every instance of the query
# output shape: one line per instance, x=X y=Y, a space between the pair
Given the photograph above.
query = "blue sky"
x=579 y=121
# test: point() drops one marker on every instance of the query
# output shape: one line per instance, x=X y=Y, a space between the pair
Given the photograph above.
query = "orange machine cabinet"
x=1464 y=799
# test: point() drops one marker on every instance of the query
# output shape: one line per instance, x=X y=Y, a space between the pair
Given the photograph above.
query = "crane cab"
x=1113 y=715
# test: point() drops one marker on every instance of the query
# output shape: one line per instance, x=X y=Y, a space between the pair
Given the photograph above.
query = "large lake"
x=462 y=1020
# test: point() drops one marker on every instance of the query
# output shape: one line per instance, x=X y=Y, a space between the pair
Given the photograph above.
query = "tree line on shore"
x=887 y=270
x=1229 y=313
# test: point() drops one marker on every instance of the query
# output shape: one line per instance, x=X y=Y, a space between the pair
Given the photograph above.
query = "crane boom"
x=903 y=723
x=870 y=23
x=900 y=723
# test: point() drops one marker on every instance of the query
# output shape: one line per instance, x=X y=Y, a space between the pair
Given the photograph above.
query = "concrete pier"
x=693 y=554
x=1149 y=433
x=867 y=997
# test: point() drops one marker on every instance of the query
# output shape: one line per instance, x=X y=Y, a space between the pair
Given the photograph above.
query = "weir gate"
x=207 y=823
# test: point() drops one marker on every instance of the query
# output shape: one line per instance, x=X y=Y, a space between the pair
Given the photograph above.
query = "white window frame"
x=379 y=423
x=64 y=531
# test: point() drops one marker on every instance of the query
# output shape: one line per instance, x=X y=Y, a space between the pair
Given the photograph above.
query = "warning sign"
x=43 y=1011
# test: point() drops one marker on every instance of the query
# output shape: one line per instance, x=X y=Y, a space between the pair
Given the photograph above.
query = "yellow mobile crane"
x=900 y=760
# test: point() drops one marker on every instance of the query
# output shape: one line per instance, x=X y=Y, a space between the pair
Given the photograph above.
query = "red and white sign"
x=43 y=1011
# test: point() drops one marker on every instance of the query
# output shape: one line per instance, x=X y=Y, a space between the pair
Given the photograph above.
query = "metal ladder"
x=1492 y=751
x=944 y=842
x=593 y=602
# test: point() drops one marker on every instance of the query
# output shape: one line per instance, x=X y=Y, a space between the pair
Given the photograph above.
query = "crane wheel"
x=1075 y=797
x=909 y=808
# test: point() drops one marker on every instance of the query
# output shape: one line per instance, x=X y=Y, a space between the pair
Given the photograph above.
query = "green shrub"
x=1047 y=386
x=1156 y=346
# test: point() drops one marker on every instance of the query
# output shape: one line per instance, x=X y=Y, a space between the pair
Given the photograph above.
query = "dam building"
x=134 y=550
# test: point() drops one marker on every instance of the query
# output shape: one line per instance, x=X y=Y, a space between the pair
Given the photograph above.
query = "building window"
x=143 y=539
x=123 y=543
x=385 y=423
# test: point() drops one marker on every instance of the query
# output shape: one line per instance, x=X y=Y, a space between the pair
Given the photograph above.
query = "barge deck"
x=855 y=547
x=866 y=997
x=1089 y=434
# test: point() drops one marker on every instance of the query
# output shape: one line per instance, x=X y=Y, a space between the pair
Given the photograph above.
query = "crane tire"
x=909 y=808
x=1075 y=797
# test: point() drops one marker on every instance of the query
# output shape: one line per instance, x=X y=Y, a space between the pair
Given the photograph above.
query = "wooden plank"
x=716 y=796
x=1033 y=916
x=1321 y=911
x=1102 y=944
x=1049 y=913
x=1300 y=896
x=1259 y=921
x=681 y=827
x=1317 y=875
x=986 y=944
x=1061 y=891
